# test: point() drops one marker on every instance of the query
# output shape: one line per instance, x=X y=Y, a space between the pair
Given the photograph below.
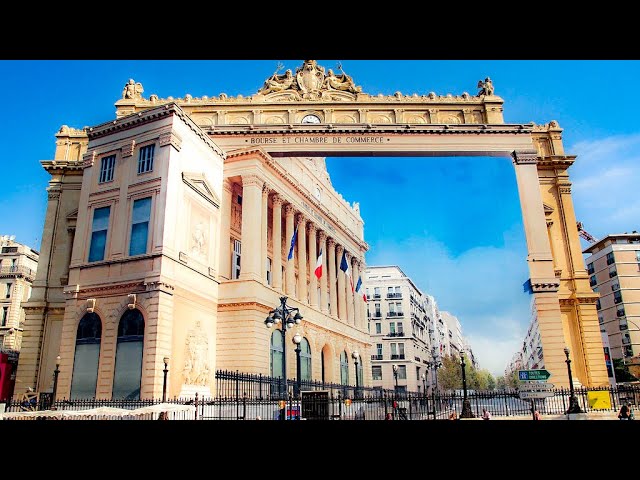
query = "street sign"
x=540 y=386
x=533 y=374
x=530 y=395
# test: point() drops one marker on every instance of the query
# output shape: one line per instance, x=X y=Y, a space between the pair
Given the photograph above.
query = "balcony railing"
x=395 y=334
x=394 y=295
x=625 y=341
x=18 y=270
x=395 y=314
x=617 y=299
x=624 y=326
x=611 y=260
x=376 y=357
x=376 y=315
x=376 y=296
x=620 y=313
x=399 y=356
x=613 y=274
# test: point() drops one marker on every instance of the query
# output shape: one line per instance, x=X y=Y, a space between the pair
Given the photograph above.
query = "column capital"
x=252 y=180
x=227 y=185
x=276 y=199
x=311 y=227
x=300 y=219
x=289 y=210
x=524 y=157
x=265 y=189
x=331 y=242
x=322 y=235
x=339 y=248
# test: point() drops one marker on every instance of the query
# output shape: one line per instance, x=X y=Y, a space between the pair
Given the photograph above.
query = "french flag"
x=318 y=270
x=344 y=266
x=359 y=289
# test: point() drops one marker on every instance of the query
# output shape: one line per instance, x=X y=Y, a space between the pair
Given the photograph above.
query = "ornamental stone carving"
x=196 y=358
x=309 y=82
x=132 y=90
x=523 y=158
x=486 y=87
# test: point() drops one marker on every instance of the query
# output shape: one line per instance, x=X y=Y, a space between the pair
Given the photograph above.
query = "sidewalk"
x=572 y=416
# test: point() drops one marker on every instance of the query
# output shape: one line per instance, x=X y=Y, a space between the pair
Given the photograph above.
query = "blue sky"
x=452 y=224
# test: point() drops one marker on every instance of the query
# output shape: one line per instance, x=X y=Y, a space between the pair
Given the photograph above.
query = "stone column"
x=325 y=274
x=251 y=227
x=349 y=293
x=225 y=231
x=333 y=296
x=357 y=297
x=342 y=294
x=276 y=230
x=302 y=258
x=263 y=232
x=313 y=257
x=363 y=309
x=289 y=268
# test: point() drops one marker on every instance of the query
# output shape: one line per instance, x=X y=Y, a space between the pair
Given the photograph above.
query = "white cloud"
x=481 y=286
x=606 y=178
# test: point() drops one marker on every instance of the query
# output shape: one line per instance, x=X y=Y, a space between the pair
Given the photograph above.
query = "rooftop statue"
x=132 y=90
x=486 y=87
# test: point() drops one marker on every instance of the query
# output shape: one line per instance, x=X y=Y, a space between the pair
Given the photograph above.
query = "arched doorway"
x=86 y=357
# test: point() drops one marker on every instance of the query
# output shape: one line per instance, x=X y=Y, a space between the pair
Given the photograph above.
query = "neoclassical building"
x=156 y=244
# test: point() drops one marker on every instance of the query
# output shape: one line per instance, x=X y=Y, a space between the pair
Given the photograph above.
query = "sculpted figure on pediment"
x=132 y=90
x=278 y=83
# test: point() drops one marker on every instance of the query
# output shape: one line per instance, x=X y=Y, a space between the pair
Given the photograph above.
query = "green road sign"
x=533 y=375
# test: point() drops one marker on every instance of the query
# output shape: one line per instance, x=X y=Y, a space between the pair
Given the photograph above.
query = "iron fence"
x=242 y=396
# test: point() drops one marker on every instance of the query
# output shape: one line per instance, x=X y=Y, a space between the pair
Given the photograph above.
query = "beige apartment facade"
x=613 y=266
x=18 y=266
x=399 y=328
x=181 y=293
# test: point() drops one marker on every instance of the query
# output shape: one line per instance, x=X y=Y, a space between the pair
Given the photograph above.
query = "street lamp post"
x=466 y=404
x=424 y=383
x=356 y=358
x=297 y=338
x=395 y=376
x=574 y=406
x=56 y=372
x=286 y=317
x=164 y=380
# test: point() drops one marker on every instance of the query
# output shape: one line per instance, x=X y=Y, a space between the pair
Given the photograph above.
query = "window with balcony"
x=8 y=294
x=615 y=286
x=378 y=354
x=617 y=297
x=392 y=328
x=376 y=372
x=623 y=324
x=377 y=312
x=590 y=269
x=392 y=309
x=400 y=329
x=610 y=258
x=399 y=309
x=626 y=339
x=620 y=312
x=402 y=372
x=612 y=271
x=592 y=280
x=376 y=293
x=600 y=318
x=390 y=292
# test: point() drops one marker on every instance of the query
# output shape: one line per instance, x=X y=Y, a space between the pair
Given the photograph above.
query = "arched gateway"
x=225 y=181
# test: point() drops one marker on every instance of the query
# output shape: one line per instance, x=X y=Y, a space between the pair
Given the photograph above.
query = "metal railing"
x=18 y=269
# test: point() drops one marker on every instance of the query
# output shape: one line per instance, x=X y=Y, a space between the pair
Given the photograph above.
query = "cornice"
x=62 y=166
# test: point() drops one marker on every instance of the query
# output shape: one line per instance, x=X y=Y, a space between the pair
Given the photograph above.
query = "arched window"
x=360 y=373
x=85 y=361
x=305 y=360
x=128 y=372
x=276 y=354
x=344 y=368
x=322 y=362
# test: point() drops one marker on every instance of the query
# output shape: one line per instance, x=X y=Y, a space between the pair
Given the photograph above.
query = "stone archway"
x=327 y=365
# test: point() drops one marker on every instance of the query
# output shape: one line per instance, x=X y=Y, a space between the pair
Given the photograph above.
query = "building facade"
x=18 y=266
x=167 y=248
x=455 y=342
x=399 y=327
x=613 y=265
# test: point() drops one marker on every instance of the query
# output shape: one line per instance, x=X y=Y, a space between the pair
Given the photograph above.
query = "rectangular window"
x=376 y=372
x=417 y=373
x=402 y=372
x=235 y=265
x=389 y=292
x=8 y=295
x=376 y=292
x=377 y=305
x=398 y=294
x=269 y=271
x=615 y=286
x=106 y=169
x=399 y=308
x=379 y=349
x=638 y=256
x=394 y=349
x=392 y=309
x=610 y=258
x=366 y=291
x=392 y=327
x=617 y=296
x=401 y=350
x=600 y=318
x=598 y=304
x=592 y=280
x=400 y=330
x=5 y=314
x=590 y=269
x=612 y=271
x=99 y=233
x=620 y=312
x=140 y=226
x=378 y=327
x=145 y=159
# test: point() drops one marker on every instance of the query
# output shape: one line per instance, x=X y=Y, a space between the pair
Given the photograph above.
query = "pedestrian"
x=388 y=416
x=453 y=415
x=536 y=415
x=485 y=414
x=625 y=412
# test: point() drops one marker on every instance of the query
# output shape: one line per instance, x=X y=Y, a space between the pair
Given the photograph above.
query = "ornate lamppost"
x=164 y=381
x=297 y=339
x=466 y=404
x=286 y=317
x=56 y=372
x=356 y=358
x=395 y=376
x=574 y=406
